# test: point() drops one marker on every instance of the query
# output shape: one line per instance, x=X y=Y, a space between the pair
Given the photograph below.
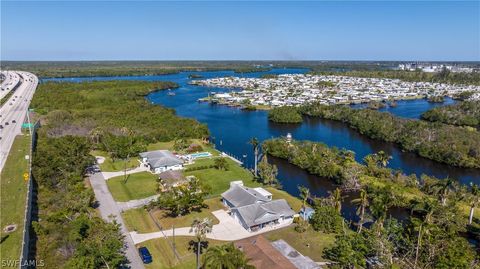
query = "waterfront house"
x=160 y=161
x=254 y=208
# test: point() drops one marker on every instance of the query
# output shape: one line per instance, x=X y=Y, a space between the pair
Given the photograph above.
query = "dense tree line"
x=431 y=236
x=285 y=114
x=465 y=113
x=457 y=146
x=95 y=109
x=69 y=232
x=444 y=76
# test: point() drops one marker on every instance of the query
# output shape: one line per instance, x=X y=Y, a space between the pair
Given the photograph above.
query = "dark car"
x=6 y=123
x=145 y=254
x=14 y=121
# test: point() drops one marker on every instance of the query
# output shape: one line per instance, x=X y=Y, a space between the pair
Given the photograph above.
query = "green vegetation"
x=285 y=114
x=138 y=186
x=436 y=99
x=310 y=243
x=13 y=196
x=163 y=256
x=465 y=113
x=448 y=144
x=99 y=110
x=69 y=232
x=225 y=256
x=109 y=165
x=444 y=76
x=432 y=234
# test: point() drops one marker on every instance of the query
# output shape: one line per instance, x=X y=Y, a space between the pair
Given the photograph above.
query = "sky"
x=258 y=30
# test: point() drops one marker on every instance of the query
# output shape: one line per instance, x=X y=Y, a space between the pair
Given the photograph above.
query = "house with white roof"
x=159 y=161
x=254 y=208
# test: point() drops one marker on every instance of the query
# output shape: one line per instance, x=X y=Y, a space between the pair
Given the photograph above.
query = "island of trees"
x=453 y=145
x=285 y=114
x=466 y=113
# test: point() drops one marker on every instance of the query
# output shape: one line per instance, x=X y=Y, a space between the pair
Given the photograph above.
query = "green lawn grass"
x=139 y=220
x=162 y=252
x=13 y=197
x=309 y=243
x=138 y=186
x=112 y=166
x=219 y=180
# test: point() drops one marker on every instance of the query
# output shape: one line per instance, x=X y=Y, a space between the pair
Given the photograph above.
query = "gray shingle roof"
x=160 y=158
x=259 y=213
x=241 y=196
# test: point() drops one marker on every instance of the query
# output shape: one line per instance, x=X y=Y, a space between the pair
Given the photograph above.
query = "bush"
x=285 y=114
x=326 y=219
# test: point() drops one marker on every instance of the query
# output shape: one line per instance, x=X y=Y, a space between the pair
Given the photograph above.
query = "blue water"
x=232 y=128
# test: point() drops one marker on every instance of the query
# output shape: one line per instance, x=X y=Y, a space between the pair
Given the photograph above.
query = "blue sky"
x=269 y=30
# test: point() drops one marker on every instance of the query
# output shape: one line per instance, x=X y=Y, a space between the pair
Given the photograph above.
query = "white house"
x=159 y=161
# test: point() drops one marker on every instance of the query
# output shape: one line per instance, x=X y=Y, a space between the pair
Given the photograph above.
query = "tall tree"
x=255 y=145
x=200 y=227
x=422 y=226
x=225 y=257
x=382 y=158
x=362 y=204
x=336 y=198
x=474 y=199
x=304 y=194
x=443 y=189
x=268 y=172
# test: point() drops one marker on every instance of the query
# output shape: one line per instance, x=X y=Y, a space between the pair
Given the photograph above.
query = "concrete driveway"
x=141 y=168
x=227 y=229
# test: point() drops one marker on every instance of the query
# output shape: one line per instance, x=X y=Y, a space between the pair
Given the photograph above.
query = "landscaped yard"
x=309 y=243
x=13 y=196
x=140 y=221
x=219 y=180
x=169 y=146
x=163 y=256
x=138 y=186
x=118 y=165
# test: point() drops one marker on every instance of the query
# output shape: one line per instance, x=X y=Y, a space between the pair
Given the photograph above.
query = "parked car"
x=145 y=254
x=14 y=121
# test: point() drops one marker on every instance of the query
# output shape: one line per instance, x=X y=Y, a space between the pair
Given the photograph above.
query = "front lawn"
x=309 y=243
x=138 y=186
x=219 y=180
x=140 y=221
x=163 y=256
x=13 y=196
x=112 y=166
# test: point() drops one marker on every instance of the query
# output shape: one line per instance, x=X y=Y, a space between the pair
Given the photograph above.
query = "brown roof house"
x=262 y=254
x=172 y=178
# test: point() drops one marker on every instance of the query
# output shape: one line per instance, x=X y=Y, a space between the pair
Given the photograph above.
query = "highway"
x=14 y=111
x=11 y=80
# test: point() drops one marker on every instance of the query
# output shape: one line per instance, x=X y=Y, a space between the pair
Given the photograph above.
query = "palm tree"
x=304 y=194
x=225 y=257
x=474 y=200
x=255 y=144
x=382 y=158
x=362 y=203
x=336 y=198
x=443 y=189
x=423 y=226
x=200 y=227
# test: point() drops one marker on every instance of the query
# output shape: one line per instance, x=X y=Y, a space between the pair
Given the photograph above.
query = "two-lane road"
x=14 y=111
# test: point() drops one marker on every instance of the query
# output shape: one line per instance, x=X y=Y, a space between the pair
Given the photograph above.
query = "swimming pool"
x=200 y=155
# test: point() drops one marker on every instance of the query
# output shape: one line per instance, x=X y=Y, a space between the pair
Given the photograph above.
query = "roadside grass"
x=162 y=252
x=139 y=185
x=219 y=180
x=139 y=220
x=310 y=243
x=13 y=195
x=112 y=166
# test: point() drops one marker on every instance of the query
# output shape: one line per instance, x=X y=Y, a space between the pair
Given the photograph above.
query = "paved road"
x=110 y=211
x=14 y=111
x=227 y=229
x=11 y=80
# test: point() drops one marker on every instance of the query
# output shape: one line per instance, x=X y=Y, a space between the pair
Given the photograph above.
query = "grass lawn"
x=162 y=253
x=139 y=220
x=13 y=195
x=138 y=186
x=309 y=243
x=111 y=166
x=219 y=180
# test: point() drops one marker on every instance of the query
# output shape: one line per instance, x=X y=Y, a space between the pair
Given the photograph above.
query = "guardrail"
x=25 y=261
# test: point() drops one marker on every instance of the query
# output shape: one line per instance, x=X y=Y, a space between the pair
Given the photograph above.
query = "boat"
x=170 y=93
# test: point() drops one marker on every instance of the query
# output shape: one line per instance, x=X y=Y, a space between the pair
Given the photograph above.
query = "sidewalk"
x=227 y=230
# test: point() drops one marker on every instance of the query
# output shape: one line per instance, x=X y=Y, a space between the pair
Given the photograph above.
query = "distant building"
x=254 y=208
x=160 y=161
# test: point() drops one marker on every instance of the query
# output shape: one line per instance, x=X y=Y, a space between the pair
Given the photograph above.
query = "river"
x=232 y=128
